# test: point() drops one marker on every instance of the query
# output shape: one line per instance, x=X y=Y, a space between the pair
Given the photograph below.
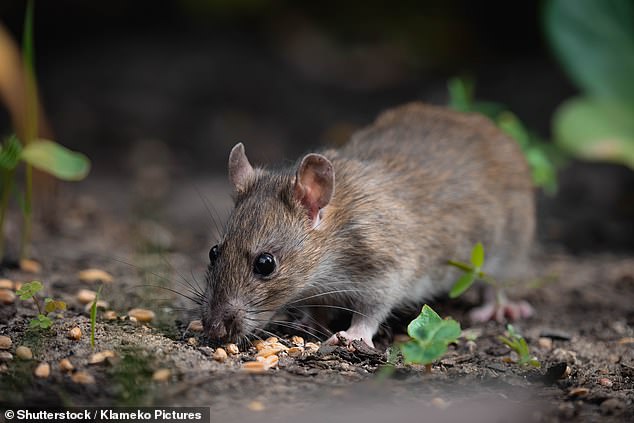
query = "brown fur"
x=420 y=186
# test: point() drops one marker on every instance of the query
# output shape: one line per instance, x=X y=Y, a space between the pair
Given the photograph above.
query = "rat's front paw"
x=349 y=336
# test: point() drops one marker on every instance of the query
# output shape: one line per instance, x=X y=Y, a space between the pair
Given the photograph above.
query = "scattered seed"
x=30 y=266
x=567 y=372
x=295 y=351
x=75 y=333
x=192 y=341
x=271 y=340
x=578 y=392
x=65 y=365
x=101 y=305
x=86 y=296
x=110 y=315
x=95 y=275
x=195 y=326
x=220 y=355
x=271 y=361
x=6 y=284
x=471 y=346
x=311 y=347
x=100 y=357
x=298 y=341
x=545 y=343
x=604 y=381
x=267 y=352
x=232 y=349
x=7 y=296
x=141 y=314
x=259 y=344
x=256 y=406
x=24 y=353
x=43 y=370
x=624 y=341
x=5 y=356
x=254 y=367
x=161 y=375
x=439 y=403
x=5 y=342
x=83 y=378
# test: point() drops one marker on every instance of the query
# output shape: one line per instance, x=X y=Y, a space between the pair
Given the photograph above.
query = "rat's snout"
x=224 y=323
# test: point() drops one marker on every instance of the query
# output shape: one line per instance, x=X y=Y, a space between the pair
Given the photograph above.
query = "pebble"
x=220 y=355
x=162 y=375
x=192 y=341
x=7 y=296
x=75 y=333
x=471 y=346
x=30 y=266
x=43 y=370
x=95 y=275
x=545 y=343
x=570 y=357
x=141 y=314
x=100 y=357
x=256 y=406
x=65 y=365
x=298 y=341
x=5 y=342
x=110 y=315
x=5 y=356
x=6 y=284
x=24 y=353
x=83 y=378
x=604 y=381
x=232 y=349
x=86 y=296
x=195 y=326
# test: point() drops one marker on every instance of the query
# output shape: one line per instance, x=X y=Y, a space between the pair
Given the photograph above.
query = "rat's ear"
x=314 y=185
x=240 y=170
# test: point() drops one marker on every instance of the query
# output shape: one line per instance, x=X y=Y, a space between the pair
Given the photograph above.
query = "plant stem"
x=460 y=265
x=28 y=198
x=428 y=368
x=37 y=304
x=7 y=185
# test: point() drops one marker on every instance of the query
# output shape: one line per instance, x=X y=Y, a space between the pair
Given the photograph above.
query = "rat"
x=369 y=227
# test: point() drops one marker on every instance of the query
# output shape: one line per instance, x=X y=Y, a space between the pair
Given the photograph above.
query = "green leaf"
x=93 y=317
x=477 y=256
x=596 y=130
x=10 y=153
x=460 y=94
x=40 y=322
x=462 y=284
x=28 y=290
x=594 y=41
x=57 y=160
x=423 y=352
x=418 y=327
x=54 y=305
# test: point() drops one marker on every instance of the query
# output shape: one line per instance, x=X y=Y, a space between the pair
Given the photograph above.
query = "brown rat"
x=369 y=227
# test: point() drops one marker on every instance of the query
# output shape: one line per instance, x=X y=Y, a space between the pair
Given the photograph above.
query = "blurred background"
x=178 y=83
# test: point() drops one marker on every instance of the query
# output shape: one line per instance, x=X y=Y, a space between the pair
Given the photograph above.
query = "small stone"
x=545 y=343
x=5 y=342
x=232 y=349
x=220 y=355
x=195 y=326
x=256 y=406
x=6 y=284
x=604 y=381
x=24 y=353
x=567 y=372
x=7 y=296
x=30 y=266
x=578 y=392
x=570 y=357
x=75 y=333
x=295 y=351
x=100 y=357
x=471 y=346
x=95 y=275
x=86 y=296
x=43 y=370
x=65 y=365
x=141 y=314
x=298 y=341
x=192 y=341
x=161 y=375
x=5 y=356
x=83 y=378
x=110 y=315
x=612 y=406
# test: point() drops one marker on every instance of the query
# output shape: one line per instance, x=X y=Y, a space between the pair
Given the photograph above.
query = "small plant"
x=93 y=317
x=472 y=272
x=431 y=336
x=517 y=343
x=42 y=321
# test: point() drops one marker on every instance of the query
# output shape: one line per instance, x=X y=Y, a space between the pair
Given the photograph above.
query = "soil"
x=582 y=332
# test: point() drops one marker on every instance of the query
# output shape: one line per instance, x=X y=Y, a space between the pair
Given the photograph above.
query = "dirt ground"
x=582 y=331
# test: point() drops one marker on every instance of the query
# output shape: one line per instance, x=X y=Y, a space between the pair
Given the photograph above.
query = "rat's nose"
x=217 y=330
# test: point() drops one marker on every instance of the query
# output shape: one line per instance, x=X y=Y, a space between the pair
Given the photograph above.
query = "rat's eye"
x=264 y=264
x=213 y=254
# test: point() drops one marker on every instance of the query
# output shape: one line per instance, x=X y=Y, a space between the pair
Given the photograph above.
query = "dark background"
x=183 y=81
